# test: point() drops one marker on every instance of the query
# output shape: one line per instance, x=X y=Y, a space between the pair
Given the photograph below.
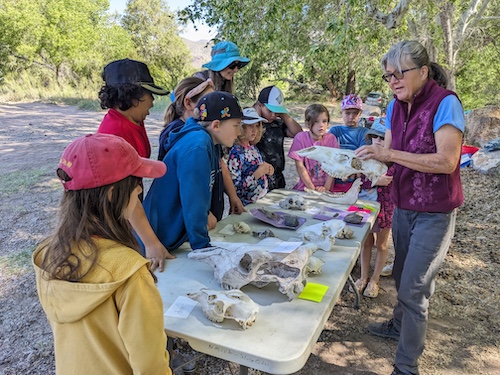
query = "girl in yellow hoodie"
x=95 y=287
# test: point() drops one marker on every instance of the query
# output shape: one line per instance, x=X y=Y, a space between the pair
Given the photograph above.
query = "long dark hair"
x=220 y=83
x=83 y=216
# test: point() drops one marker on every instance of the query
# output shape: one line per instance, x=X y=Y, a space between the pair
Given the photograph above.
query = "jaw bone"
x=341 y=163
x=349 y=197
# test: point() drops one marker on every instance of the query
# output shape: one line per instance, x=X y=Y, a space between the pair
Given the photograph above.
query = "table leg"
x=243 y=370
x=170 y=348
x=356 y=292
x=170 y=345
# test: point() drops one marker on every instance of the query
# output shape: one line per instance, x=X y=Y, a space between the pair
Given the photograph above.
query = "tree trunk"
x=350 y=87
x=328 y=82
x=448 y=43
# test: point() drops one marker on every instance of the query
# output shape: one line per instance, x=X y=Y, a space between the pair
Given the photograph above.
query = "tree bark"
x=350 y=87
x=448 y=43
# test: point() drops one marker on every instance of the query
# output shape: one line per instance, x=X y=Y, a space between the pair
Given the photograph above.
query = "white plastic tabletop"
x=285 y=332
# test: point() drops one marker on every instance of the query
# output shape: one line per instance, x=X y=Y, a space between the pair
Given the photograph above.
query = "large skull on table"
x=218 y=305
x=237 y=265
x=341 y=163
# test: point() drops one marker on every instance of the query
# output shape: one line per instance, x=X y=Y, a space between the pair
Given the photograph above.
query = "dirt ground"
x=463 y=335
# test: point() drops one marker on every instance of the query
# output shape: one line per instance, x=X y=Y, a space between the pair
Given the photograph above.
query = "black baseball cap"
x=219 y=105
x=131 y=71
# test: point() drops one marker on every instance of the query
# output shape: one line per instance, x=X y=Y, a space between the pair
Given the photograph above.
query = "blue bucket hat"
x=223 y=54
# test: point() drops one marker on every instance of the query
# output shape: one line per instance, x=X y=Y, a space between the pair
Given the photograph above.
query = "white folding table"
x=285 y=332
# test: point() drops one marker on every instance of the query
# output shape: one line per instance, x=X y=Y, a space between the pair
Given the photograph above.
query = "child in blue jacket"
x=177 y=204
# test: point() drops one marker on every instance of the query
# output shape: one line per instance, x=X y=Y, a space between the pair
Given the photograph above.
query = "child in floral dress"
x=248 y=171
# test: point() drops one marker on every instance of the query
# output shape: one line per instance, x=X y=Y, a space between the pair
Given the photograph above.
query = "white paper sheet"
x=181 y=308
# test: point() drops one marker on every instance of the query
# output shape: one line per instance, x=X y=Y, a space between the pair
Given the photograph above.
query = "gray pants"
x=421 y=241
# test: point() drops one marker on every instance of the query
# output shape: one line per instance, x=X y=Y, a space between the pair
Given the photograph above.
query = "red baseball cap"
x=96 y=160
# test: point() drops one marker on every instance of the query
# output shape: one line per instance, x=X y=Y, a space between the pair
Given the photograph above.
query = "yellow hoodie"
x=111 y=322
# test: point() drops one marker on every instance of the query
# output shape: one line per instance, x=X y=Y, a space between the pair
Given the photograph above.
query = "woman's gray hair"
x=405 y=52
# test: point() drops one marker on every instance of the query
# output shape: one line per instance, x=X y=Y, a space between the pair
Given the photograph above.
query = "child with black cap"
x=128 y=94
x=270 y=105
x=100 y=299
x=177 y=205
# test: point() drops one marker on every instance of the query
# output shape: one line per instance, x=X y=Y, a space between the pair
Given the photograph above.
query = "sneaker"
x=385 y=329
x=397 y=371
x=179 y=361
x=387 y=270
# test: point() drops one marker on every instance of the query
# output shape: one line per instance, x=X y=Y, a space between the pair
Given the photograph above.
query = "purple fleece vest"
x=413 y=132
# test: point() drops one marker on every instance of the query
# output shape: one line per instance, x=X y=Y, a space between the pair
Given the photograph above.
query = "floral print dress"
x=243 y=161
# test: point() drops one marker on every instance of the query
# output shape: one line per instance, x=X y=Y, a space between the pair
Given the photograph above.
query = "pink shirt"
x=304 y=140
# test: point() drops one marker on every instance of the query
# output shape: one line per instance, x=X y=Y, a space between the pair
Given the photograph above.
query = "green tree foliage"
x=66 y=43
x=477 y=80
x=311 y=45
x=69 y=32
x=69 y=39
x=306 y=47
x=337 y=46
x=19 y=33
x=154 y=31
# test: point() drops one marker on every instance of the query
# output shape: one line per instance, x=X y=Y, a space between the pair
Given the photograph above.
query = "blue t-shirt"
x=349 y=137
x=449 y=112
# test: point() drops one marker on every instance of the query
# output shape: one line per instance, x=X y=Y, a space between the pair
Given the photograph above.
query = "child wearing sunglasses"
x=226 y=62
x=369 y=286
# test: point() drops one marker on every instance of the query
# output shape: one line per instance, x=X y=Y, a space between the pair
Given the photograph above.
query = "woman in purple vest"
x=425 y=125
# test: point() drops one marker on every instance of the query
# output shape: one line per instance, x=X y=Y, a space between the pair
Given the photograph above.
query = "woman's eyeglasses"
x=397 y=74
x=377 y=136
x=236 y=64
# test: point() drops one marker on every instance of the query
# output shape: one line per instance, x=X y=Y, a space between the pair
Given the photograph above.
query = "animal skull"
x=349 y=197
x=239 y=264
x=341 y=163
x=295 y=201
x=323 y=234
x=232 y=304
x=241 y=227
